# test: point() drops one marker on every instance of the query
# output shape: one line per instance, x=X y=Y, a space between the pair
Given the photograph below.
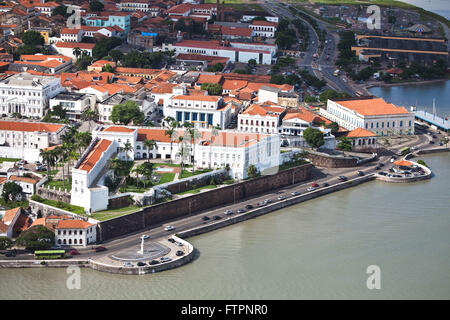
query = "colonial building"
x=74 y=103
x=28 y=94
x=260 y=118
x=373 y=114
x=75 y=233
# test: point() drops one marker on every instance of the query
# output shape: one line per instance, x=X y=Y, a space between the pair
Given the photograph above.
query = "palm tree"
x=116 y=165
x=89 y=115
x=194 y=135
x=252 y=171
x=127 y=147
x=150 y=145
x=82 y=140
x=76 y=52
x=147 y=170
x=183 y=150
x=138 y=170
x=46 y=158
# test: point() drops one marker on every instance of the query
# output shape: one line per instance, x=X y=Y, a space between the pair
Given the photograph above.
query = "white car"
x=179 y=244
x=228 y=212
x=128 y=265
x=145 y=236
x=310 y=189
x=165 y=259
x=169 y=228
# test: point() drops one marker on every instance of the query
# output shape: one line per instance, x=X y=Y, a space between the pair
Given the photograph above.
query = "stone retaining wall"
x=328 y=161
x=185 y=206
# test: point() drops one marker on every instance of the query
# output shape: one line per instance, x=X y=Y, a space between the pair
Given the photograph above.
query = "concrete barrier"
x=47 y=263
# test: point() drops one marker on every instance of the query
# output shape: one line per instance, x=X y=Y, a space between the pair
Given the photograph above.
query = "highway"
x=320 y=67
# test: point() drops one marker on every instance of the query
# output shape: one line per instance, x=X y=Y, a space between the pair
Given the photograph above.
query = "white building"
x=373 y=114
x=75 y=233
x=88 y=174
x=260 y=118
x=135 y=5
x=264 y=28
x=28 y=94
x=249 y=17
x=71 y=35
x=24 y=140
x=235 y=51
x=74 y=103
x=67 y=48
x=203 y=111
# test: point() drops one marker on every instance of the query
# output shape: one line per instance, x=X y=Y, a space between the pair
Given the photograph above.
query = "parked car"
x=145 y=236
x=179 y=253
x=381 y=164
x=178 y=243
x=377 y=168
x=153 y=262
x=382 y=173
x=268 y=201
x=248 y=207
x=128 y=265
x=240 y=211
x=165 y=259
x=360 y=173
x=295 y=193
x=169 y=228
x=205 y=218
x=10 y=254
x=228 y=212
x=141 y=264
x=74 y=252
x=431 y=142
x=281 y=198
x=172 y=240
x=342 y=178
x=216 y=218
x=99 y=249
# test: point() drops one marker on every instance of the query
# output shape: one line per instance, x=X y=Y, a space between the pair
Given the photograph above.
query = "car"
x=172 y=240
x=56 y=247
x=325 y=184
x=179 y=253
x=360 y=173
x=268 y=201
x=145 y=236
x=205 y=218
x=165 y=259
x=434 y=137
x=261 y=204
x=141 y=264
x=310 y=189
x=431 y=142
x=414 y=148
x=377 y=168
x=314 y=185
x=342 y=178
x=169 y=228
x=128 y=265
x=74 y=252
x=99 y=249
x=441 y=144
x=248 y=207
x=240 y=211
x=10 y=254
x=38 y=163
x=295 y=193
x=381 y=164
x=228 y=212
x=153 y=262
x=178 y=243
x=216 y=218
x=382 y=173
x=281 y=198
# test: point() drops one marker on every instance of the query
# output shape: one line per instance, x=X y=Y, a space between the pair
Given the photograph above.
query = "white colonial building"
x=264 y=28
x=373 y=114
x=263 y=118
x=74 y=103
x=28 y=94
x=25 y=140
x=75 y=233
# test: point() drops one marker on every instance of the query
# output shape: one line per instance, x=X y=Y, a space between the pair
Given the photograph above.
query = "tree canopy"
x=214 y=89
x=36 y=238
x=11 y=191
x=32 y=38
x=314 y=137
x=96 y=6
x=104 y=46
x=126 y=113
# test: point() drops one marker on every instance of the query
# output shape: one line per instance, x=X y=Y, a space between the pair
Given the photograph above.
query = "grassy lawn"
x=9 y=159
x=112 y=213
x=59 y=184
x=188 y=173
x=165 y=177
x=292 y=164
x=61 y=205
x=229 y=181
x=197 y=190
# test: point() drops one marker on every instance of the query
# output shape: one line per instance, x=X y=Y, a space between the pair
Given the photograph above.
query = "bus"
x=404 y=151
x=49 y=254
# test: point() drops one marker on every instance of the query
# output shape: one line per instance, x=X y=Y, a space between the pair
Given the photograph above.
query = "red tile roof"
x=10 y=214
x=359 y=133
x=73 y=45
x=372 y=107
x=94 y=155
x=29 y=126
x=73 y=224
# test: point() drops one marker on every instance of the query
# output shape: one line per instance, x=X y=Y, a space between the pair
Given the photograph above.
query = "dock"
x=433 y=120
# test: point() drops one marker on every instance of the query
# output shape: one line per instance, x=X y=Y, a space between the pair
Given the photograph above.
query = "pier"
x=433 y=120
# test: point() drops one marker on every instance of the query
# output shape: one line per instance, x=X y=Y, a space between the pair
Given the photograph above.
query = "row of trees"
x=35 y=238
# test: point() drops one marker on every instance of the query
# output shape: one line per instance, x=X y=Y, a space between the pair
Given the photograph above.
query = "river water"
x=319 y=249
x=440 y=7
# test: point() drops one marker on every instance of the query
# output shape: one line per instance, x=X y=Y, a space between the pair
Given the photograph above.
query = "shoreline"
x=383 y=84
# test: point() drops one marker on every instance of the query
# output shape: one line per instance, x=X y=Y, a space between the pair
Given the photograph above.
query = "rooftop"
x=372 y=107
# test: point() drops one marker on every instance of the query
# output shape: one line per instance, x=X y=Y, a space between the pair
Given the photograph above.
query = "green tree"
x=345 y=144
x=89 y=115
x=334 y=127
x=445 y=141
x=309 y=99
x=61 y=10
x=33 y=38
x=127 y=112
x=96 y=6
x=11 y=191
x=314 y=137
x=104 y=46
x=116 y=55
x=36 y=238
x=214 y=89
x=171 y=133
x=127 y=147
x=5 y=243
x=150 y=145
x=332 y=95
x=147 y=171
x=252 y=171
x=108 y=68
